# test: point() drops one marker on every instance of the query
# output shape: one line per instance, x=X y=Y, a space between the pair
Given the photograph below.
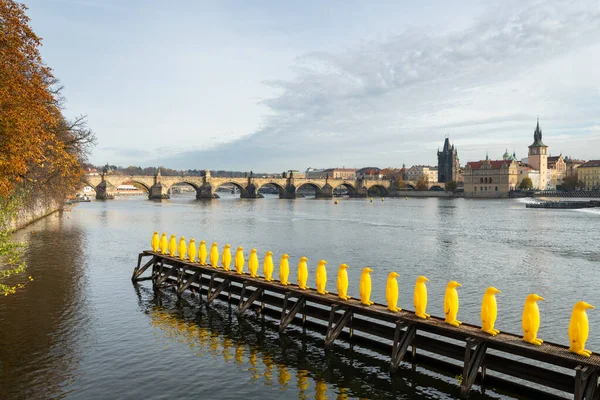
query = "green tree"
x=422 y=184
x=571 y=182
x=450 y=186
x=526 y=184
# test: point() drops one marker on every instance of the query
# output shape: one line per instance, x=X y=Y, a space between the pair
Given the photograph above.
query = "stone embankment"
x=38 y=209
x=571 y=193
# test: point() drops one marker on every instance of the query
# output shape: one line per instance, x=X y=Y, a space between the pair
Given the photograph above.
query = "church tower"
x=447 y=163
x=538 y=156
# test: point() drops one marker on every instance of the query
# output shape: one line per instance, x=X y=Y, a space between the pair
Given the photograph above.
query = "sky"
x=275 y=85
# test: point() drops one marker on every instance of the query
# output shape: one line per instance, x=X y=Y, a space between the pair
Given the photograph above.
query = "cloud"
x=389 y=102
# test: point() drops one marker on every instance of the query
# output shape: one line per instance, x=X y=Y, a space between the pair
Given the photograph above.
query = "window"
x=485 y=180
x=496 y=188
x=475 y=187
x=486 y=188
x=480 y=180
x=490 y=180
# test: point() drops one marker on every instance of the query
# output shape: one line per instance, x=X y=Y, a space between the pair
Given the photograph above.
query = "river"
x=82 y=330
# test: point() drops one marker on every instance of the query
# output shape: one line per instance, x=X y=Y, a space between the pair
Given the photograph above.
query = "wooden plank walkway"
x=348 y=319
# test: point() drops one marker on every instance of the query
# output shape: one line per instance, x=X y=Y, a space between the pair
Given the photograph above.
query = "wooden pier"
x=504 y=361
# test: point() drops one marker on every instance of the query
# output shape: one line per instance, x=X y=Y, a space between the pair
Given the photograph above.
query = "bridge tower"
x=104 y=190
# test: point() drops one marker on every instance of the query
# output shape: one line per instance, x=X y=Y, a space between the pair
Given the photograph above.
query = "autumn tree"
x=422 y=183
x=450 y=186
x=526 y=183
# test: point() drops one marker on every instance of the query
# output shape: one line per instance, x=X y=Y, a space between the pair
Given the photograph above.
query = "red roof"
x=495 y=164
x=591 y=163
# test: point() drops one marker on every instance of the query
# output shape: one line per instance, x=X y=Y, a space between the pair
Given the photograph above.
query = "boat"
x=569 y=205
x=81 y=199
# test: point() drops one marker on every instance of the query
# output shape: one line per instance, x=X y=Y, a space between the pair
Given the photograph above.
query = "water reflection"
x=42 y=326
x=294 y=362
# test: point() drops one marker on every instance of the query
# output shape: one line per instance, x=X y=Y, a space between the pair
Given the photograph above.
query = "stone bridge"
x=159 y=187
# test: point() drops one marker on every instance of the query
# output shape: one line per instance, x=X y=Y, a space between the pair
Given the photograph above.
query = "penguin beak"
x=425 y=279
x=497 y=291
x=586 y=305
x=458 y=284
x=538 y=298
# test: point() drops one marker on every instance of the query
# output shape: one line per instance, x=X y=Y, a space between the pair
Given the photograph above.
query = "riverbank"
x=38 y=209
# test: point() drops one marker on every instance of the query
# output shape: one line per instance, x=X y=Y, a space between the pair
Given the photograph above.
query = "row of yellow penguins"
x=578 y=326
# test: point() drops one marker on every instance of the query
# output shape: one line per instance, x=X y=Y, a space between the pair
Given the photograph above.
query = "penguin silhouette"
x=182 y=249
x=239 y=260
x=302 y=273
x=489 y=311
x=284 y=270
x=342 y=282
x=268 y=266
x=365 y=287
x=253 y=264
x=172 y=246
x=214 y=255
x=202 y=253
x=579 y=329
x=531 y=319
x=451 y=303
x=391 y=292
x=371 y=199
x=155 y=242
x=321 y=390
x=192 y=250
x=163 y=244
x=226 y=257
x=321 y=277
x=420 y=297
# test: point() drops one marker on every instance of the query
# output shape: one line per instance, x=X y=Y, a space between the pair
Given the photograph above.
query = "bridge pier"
x=157 y=192
x=325 y=193
x=205 y=192
x=104 y=191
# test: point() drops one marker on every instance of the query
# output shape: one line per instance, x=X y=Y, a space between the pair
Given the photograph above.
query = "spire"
x=446 y=144
x=537 y=136
x=486 y=156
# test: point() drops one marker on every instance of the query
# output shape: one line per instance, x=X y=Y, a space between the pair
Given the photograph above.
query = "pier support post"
x=325 y=193
x=213 y=294
x=586 y=383
x=140 y=270
x=287 y=318
x=400 y=345
x=163 y=279
x=245 y=304
x=185 y=285
x=474 y=354
x=333 y=331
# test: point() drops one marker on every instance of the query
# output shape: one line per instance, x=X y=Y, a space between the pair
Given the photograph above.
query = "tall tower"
x=538 y=156
x=447 y=163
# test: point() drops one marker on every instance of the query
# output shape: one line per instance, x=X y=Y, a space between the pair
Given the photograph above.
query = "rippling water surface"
x=82 y=330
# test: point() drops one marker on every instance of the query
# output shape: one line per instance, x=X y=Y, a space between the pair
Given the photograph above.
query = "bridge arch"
x=318 y=189
x=240 y=187
x=436 y=188
x=349 y=187
x=142 y=184
x=280 y=188
x=377 y=190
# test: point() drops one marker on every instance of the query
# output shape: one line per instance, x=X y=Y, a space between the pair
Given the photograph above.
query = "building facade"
x=589 y=174
x=448 y=163
x=490 y=178
x=538 y=156
x=341 y=173
x=557 y=170
x=417 y=172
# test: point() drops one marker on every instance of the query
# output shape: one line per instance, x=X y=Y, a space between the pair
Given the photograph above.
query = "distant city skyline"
x=230 y=85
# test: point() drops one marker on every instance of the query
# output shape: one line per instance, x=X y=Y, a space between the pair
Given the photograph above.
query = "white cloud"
x=483 y=85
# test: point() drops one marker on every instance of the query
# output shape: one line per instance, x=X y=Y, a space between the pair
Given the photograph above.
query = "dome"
x=506 y=155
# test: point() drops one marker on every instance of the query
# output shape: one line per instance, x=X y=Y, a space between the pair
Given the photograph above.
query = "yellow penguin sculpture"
x=253 y=263
x=202 y=253
x=391 y=292
x=579 y=329
x=192 y=250
x=239 y=260
x=226 y=257
x=489 y=311
x=155 y=241
x=182 y=249
x=163 y=244
x=268 y=266
x=420 y=297
x=302 y=273
x=342 y=282
x=365 y=287
x=172 y=246
x=451 y=303
x=321 y=277
x=214 y=255
x=284 y=270
x=531 y=319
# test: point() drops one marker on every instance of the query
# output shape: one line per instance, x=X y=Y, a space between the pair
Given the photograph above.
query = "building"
x=448 y=163
x=295 y=173
x=538 y=156
x=589 y=174
x=369 y=173
x=571 y=166
x=427 y=172
x=341 y=173
x=557 y=170
x=525 y=171
x=490 y=178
